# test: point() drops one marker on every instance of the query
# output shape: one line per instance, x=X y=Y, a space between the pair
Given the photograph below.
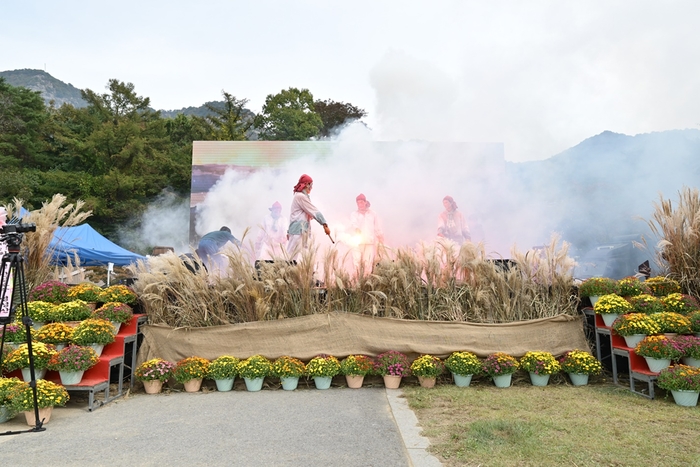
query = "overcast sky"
x=539 y=76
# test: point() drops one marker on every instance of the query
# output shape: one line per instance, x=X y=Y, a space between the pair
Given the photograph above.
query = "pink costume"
x=365 y=224
x=272 y=239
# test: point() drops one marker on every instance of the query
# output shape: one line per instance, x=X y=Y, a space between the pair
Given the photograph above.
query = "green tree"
x=289 y=116
x=22 y=119
x=231 y=121
x=334 y=114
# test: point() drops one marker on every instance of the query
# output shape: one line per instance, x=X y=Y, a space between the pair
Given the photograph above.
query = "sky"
x=537 y=76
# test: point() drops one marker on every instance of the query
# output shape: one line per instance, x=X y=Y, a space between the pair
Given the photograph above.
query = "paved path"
x=339 y=426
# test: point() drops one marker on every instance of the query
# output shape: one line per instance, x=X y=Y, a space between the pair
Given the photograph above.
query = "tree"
x=289 y=116
x=22 y=119
x=335 y=114
x=231 y=121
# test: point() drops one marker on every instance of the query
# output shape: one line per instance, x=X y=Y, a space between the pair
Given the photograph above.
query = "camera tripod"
x=13 y=290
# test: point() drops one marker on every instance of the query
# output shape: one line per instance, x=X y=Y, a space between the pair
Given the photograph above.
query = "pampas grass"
x=678 y=231
x=436 y=281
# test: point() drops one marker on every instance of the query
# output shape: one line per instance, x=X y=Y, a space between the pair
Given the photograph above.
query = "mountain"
x=51 y=89
x=60 y=92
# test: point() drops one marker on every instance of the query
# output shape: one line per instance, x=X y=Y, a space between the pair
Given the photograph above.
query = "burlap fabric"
x=342 y=334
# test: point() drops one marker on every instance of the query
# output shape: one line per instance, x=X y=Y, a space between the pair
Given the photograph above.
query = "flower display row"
x=56 y=292
x=391 y=365
x=658 y=286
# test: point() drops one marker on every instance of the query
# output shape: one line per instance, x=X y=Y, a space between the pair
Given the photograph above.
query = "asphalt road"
x=309 y=427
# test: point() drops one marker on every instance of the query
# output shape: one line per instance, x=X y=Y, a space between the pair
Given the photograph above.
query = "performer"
x=272 y=239
x=451 y=223
x=301 y=213
x=210 y=245
x=366 y=225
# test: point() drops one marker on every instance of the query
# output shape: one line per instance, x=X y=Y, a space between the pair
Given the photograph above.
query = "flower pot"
x=633 y=340
x=92 y=305
x=686 y=398
x=193 y=385
x=224 y=385
x=657 y=364
x=690 y=361
x=354 y=381
x=322 y=382
x=60 y=347
x=593 y=299
x=37 y=325
x=69 y=378
x=117 y=326
x=97 y=348
x=503 y=381
x=44 y=415
x=392 y=382
x=289 y=383
x=462 y=381
x=578 y=379
x=609 y=318
x=539 y=380
x=253 y=384
x=427 y=381
x=153 y=387
x=4 y=414
x=38 y=374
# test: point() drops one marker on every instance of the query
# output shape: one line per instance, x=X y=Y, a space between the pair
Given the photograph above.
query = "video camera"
x=8 y=229
x=13 y=232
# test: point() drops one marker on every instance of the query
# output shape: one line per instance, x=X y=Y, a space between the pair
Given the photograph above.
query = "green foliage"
x=334 y=114
x=289 y=116
x=230 y=121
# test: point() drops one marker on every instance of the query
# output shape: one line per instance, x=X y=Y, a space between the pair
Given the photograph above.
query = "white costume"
x=366 y=225
x=302 y=212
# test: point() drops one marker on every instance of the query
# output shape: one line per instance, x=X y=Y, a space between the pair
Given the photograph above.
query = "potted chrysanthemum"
x=7 y=387
x=50 y=291
x=689 y=346
x=500 y=366
x=579 y=364
x=190 y=372
x=58 y=334
x=117 y=313
x=672 y=323
x=14 y=333
x=684 y=383
x=288 y=370
x=85 y=291
x=540 y=365
x=40 y=312
x=646 y=303
x=658 y=351
x=680 y=303
x=355 y=368
x=427 y=368
x=71 y=362
x=631 y=287
x=694 y=319
x=392 y=366
x=75 y=310
x=463 y=366
x=254 y=370
x=48 y=396
x=18 y=359
x=153 y=373
x=118 y=293
x=661 y=286
x=595 y=287
x=223 y=370
x=322 y=368
x=95 y=333
x=610 y=307
x=633 y=327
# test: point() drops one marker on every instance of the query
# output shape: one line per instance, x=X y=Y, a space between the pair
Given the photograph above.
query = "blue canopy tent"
x=92 y=248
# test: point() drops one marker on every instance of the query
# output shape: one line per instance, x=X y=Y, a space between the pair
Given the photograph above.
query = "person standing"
x=272 y=239
x=211 y=244
x=300 y=215
x=367 y=227
x=451 y=223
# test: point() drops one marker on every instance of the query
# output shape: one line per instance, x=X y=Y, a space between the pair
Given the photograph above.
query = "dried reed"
x=678 y=231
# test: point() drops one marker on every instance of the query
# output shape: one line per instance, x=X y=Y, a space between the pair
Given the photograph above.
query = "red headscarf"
x=451 y=201
x=304 y=181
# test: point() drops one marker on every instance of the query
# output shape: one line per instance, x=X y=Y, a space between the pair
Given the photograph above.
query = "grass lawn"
x=559 y=424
